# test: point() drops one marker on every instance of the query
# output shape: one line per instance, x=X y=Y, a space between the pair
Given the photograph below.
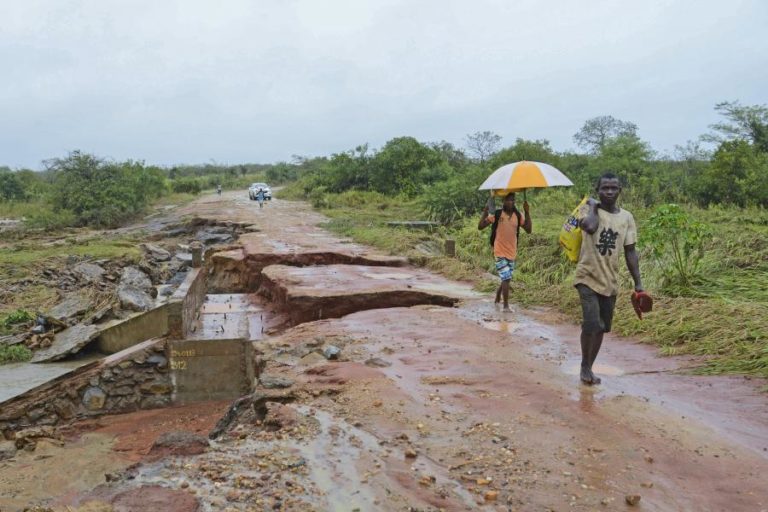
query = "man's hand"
x=485 y=210
x=592 y=203
x=526 y=207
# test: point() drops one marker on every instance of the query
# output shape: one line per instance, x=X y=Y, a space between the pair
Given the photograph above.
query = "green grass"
x=30 y=253
x=723 y=317
x=14 y=354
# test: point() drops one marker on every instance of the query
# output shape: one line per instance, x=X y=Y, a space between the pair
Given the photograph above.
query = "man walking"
x=506 y=224
x=606 y=229
x=260 y=197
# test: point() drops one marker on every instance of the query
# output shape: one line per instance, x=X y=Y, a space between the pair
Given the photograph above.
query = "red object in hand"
x=642 y=302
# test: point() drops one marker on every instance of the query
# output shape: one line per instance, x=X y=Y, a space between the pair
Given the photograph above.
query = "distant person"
x=260 y=197
x=506 y=223
x=218 y=189
x=606 y=229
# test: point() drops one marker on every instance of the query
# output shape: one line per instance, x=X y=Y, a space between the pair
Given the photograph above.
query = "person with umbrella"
x=505 y=181
x=506 y=223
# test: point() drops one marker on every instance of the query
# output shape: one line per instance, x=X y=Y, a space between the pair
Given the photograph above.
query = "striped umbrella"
x=519 y=176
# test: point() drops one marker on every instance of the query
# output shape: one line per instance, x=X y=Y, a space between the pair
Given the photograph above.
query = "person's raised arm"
x=484 y=222
x=527 y=223
x=591 y=220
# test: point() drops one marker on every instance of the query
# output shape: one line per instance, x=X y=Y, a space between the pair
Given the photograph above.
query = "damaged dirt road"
x=438 y=402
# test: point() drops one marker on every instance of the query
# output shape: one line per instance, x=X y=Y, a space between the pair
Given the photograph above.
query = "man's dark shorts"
x=597 y=310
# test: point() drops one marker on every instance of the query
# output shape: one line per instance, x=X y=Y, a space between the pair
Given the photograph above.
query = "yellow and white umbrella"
x=518 y=176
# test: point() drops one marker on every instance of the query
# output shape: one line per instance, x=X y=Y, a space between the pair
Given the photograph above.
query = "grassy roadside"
x=724 y=317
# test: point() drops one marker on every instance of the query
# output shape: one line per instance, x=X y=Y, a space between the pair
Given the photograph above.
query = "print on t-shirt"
x=607 y=241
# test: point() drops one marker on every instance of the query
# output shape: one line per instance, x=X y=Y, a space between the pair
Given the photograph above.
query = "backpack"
x=497 y=216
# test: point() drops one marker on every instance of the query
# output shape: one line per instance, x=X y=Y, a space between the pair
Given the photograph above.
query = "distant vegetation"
x=84 y=190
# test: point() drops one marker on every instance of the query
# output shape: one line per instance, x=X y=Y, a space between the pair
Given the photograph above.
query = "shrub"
x=186 y=186
x=14 y=354
x=677 y=243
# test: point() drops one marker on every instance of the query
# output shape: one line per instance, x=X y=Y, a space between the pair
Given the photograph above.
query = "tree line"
x=82 y=189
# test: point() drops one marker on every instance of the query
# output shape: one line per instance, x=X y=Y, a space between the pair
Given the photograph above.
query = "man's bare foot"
x=589 y=378
x=506 y=307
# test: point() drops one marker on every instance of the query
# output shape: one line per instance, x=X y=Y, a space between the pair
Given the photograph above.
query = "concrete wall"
x=136 y=378
x=138 y=328
x=185 y=303
x=210 y=369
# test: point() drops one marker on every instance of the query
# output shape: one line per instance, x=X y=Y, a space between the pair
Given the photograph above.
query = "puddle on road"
x=391 y=275
x=599 y=369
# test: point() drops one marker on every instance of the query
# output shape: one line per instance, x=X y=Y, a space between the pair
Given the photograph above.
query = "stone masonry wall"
x=136 y=378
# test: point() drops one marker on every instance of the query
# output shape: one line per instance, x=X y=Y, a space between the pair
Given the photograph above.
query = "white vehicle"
x=254 y=189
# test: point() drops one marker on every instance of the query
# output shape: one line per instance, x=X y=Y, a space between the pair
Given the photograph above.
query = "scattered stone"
x=74 y=305
x=94 y=398
x=134 y=299
x=311 y=359
x=410 y=453
x=157 y=360
x=69 y=341
x=491 y=496
x=154 y=388
x=632 y=499
x=156 y=253
x=134 y=277
x=7 y=449
x=27 y=438
x=64 y=409
x=13 y=339
x=647 y=485
x=648 y=459
x=331 y=352
x=280 y=416
x=179 y=443
x=89 y=271
x=275 y=381
x=377 y=362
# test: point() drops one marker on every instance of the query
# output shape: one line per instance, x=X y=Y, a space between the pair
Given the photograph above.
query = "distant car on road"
x=254 y=189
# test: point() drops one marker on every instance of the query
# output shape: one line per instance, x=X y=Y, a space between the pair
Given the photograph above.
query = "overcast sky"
x=190 y=81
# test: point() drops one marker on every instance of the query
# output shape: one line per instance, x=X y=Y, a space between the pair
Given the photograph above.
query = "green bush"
x=101 y=193
x=14 y=354
x=186 y=186
x=18 y=317
x=45 y=218
x=677 y=243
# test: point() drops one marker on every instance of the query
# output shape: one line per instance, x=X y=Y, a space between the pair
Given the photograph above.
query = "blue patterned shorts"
x=505 y=268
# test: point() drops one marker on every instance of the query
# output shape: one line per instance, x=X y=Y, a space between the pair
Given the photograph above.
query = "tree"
x=738 y=175
x=748 y=123
x=404 y=165
x=11 y=187
x=522 y=149
x=483 y=145
x=599 y=130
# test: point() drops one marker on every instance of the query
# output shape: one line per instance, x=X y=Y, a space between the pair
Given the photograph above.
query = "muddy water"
x=731 y=406
x=17 y=378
